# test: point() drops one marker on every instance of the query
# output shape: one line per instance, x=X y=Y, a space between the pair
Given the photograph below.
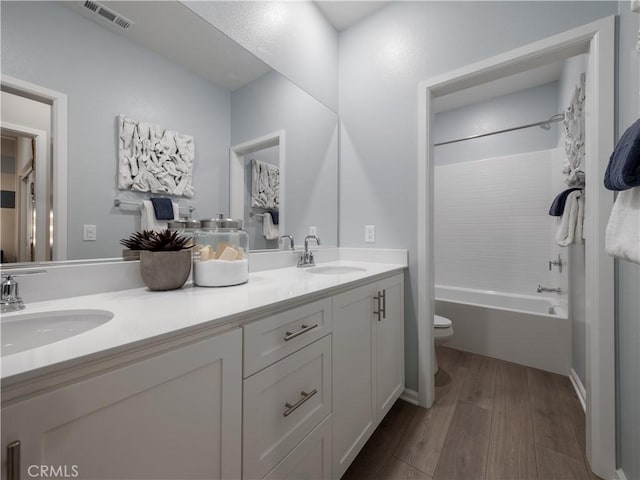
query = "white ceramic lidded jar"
x=220 y=255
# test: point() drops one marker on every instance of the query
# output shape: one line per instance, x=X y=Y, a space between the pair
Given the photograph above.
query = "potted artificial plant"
x=165 y=258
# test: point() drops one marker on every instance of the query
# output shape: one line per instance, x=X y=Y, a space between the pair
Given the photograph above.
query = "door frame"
x=597 y=39
x=59 y=154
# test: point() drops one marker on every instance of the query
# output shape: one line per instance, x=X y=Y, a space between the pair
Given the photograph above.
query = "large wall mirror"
x=170 y=68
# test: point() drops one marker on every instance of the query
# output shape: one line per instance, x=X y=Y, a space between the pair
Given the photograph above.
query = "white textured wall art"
x=152 y=159
x=573 y=126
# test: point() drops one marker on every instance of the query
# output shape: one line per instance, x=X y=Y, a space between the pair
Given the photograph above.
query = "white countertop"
x=141 y=315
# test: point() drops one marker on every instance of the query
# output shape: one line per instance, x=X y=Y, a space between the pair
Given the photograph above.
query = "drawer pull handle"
x=13 y=461
x=305 y=396
x=304 y=329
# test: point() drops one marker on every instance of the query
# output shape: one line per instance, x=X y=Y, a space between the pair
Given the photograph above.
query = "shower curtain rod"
x=544 y=124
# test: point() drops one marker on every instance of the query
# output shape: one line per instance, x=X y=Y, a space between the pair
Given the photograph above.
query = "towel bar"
x=117 y=202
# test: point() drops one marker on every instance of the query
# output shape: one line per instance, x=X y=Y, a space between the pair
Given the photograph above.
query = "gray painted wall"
x=628 y=274
x=519 y=108
x=105 y=75
x=382 y=59
x=273 y=103
x=294 y=38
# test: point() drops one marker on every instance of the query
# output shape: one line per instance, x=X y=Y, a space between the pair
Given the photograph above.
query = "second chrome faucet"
x=306 y=258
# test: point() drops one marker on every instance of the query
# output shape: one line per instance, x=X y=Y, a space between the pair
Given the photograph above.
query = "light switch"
x=370 y=233
x=90 y=233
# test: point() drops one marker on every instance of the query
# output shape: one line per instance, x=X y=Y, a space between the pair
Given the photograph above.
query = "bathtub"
x=525 y=329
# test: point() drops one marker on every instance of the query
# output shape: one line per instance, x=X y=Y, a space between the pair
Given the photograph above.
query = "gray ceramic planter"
x=165 y=270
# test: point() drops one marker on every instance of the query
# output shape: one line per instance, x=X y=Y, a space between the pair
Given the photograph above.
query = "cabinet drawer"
x=268 y=340
x=277 y=414
x=310 y=460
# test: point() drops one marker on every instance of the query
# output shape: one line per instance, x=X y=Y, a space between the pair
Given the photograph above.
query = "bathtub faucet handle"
x=559 y=262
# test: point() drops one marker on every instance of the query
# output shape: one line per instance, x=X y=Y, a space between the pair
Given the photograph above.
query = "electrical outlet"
x=313 y=230
x=90 y=233
x=635 y=6
x=370 y=233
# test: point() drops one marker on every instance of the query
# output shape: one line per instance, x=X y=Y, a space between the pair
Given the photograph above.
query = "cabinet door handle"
x=378 y=298
x=384 y=303
x=305 y=396
x=13 y=461
x=304 y=329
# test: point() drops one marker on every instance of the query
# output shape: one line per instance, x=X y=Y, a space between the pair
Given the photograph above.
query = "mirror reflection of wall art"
x=265 y=185
x=152 y=159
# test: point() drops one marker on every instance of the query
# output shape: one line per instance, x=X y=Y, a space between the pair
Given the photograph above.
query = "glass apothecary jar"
x=220 y=254
x=186 y=228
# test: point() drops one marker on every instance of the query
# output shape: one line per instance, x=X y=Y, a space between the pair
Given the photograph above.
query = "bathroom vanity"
x=284 y=377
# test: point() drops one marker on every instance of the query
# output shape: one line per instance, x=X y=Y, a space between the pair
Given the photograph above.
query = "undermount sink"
x=30 y=330
x=335 y=270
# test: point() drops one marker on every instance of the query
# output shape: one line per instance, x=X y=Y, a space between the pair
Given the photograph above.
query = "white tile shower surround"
x=492 y=228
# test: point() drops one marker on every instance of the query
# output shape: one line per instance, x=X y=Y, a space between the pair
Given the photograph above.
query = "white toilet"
x=442 y=333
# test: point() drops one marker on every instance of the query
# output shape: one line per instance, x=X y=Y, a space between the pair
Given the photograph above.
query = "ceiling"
x=342 y=14
x=178 y=34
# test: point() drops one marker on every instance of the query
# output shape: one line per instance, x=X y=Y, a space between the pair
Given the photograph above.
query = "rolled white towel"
x=570 y=227
x=622 y=236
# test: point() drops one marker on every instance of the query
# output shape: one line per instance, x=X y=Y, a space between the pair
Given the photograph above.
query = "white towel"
x=622 y=237
x=570 y=227
x=269 y=230
x=148 y=220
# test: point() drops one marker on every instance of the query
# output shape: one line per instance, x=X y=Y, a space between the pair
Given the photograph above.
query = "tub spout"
x=542 y=289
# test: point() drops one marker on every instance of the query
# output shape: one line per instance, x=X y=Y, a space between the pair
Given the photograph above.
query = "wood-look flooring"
x=491 y=420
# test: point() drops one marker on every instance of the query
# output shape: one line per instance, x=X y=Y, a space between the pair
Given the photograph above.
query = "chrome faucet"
x=11 y=301
x=306 y=259
x=291 y=245
x=542 y=289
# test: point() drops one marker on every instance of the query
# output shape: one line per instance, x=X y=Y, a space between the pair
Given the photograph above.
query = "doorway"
x=597 y=41
x=25 y=195
x=264 y=158
x=49 y=137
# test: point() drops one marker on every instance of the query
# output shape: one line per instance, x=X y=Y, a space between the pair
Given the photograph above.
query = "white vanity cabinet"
x=368 y=363
x=292 y=395
x=173 y=415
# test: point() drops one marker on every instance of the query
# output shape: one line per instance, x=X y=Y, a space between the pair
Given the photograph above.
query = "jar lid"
x=222 y=222
x=176 y=224
x=192 y=223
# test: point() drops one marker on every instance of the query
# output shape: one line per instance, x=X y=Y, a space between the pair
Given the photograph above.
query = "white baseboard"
x=410 y=396
x=620 y=474
x=579 y=388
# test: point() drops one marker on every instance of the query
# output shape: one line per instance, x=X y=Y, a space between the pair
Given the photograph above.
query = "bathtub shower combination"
x=529 y=330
